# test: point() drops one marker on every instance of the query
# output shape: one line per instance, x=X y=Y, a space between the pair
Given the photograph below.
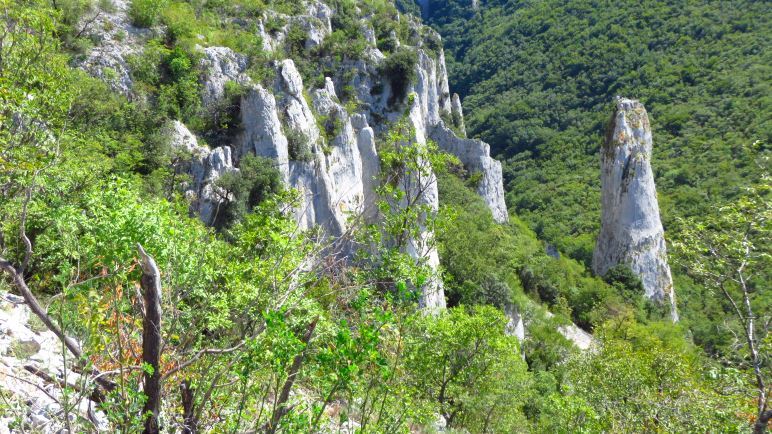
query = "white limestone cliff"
x=475 y=156
x=222 y=65
x=204 y=166
x=631 y=230
x=457 y=115
x=338 y=171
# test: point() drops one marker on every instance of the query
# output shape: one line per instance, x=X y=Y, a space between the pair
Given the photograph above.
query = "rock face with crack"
x=631 y=230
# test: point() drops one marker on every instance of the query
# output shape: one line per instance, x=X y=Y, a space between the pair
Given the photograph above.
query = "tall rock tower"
x=631 y=231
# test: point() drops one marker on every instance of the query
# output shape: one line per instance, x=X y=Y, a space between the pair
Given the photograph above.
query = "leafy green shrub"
x=180 y=21
x=464 y=362
x=261 y=71
x=340 y=45
x=145 y=67
x=637 y=381
x=287 y=7
x=400 y=69
x=626 y=281
x=222 y=120
x=480 y=257
x=295 y=43
x=332 y=126
x=146 y=13
x=244 y=190
x=274 y=23
x=179 y=96
x=298 y=146
x=545 y=348
x=432 y=42
x=71 y=14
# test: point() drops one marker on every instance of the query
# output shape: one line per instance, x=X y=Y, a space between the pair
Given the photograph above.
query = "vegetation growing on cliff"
x=262 y=329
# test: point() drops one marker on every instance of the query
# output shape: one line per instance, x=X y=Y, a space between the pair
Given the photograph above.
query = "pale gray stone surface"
x=205 y=167
x=515 y=325
x=458 y=114
x=35 y=400
x=475 y=156
x=631 y=230
x=115 y=39
x=222 y=65
x=262 y=132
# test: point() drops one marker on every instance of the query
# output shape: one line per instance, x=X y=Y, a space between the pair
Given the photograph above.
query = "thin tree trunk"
x=188 y=408
x=151 y=340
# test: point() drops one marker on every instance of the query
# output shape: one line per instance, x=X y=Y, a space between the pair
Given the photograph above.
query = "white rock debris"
x=36 y=400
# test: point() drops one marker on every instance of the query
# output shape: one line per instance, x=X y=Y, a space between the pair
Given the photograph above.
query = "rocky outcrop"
x=329 y=155
x=583 y=340
x=33 y=372
x=515 y=325
x=222 y=65
x=457 y=115
x=574 y=334
x=486 y=171
x=115 y=40
x=204 y=166
x=435 y=103
x=324 y=149
x=631 y=231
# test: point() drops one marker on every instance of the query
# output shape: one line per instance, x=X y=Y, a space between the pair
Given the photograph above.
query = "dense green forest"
x=537 y=78
x=265 y=329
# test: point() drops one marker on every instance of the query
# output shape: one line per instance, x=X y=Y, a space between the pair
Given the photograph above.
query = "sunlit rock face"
x=323 y=147
x=30 y=359
x=631 y=230
x=475 y=156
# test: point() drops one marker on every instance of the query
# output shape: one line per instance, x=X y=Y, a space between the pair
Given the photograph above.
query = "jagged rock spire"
x=631 y=230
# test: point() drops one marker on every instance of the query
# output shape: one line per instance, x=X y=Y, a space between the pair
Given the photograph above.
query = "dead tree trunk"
x=151 y=340
x=188 y=408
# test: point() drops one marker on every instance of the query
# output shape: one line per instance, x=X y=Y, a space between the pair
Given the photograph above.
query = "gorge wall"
x=631 y=230
x=338 y=170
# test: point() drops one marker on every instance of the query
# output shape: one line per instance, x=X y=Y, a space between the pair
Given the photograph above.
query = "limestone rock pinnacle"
x=631 y=230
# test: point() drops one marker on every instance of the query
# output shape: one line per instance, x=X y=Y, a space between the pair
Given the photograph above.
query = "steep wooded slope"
x=537 y=80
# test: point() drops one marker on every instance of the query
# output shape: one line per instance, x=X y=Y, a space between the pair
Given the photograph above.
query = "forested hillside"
x=264 y=216
x=537 y=77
